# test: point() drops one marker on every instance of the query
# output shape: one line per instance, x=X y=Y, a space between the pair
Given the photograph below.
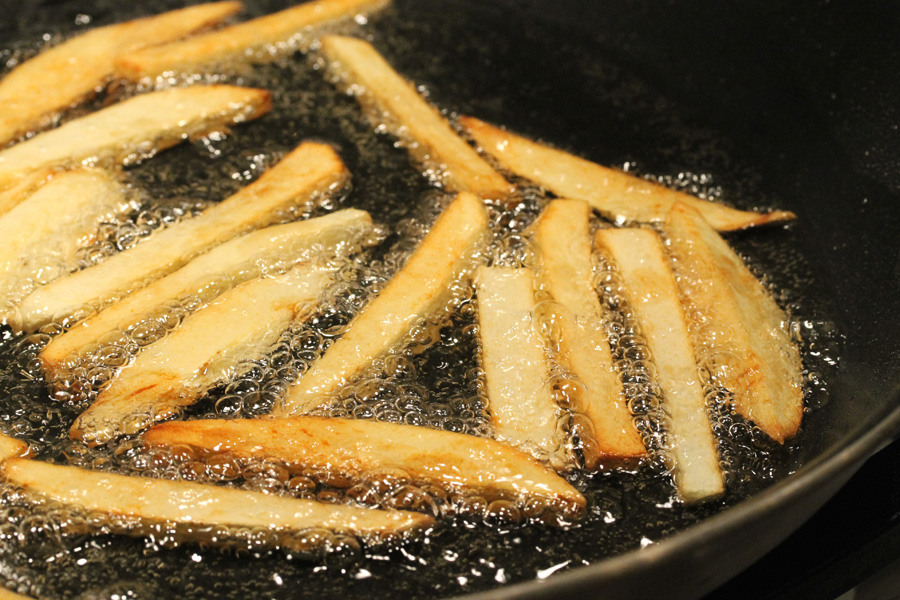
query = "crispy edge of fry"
x=239 y=40
x=616 y=195
x=121 y=131
x=517 y=373
x=6 y=594
x=61 y=76
x=764 y=368
x=453 y=461
x=426 y=133
x=178 y=369
x=563 y=243
x=10 y=447
x=342 y=228
x=309 y=169
x=146 y=501
x=417 y=290
x=652 y=294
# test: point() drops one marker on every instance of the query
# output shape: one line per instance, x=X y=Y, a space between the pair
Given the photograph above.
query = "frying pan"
x=788 y=106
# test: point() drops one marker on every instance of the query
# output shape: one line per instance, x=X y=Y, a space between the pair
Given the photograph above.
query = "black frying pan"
x=790 y=107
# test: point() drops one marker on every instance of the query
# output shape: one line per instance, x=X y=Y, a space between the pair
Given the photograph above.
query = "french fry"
x=134 y=505
x=254 y=39
x=308 y=170
x=14 y=195
x=743 y=329
x=135 y=128
x=62 y=215
x=32 y=93
x=516 y=370
x=652 y=295
x=455 y=462
x=338 y=232
x=10 y=447
x=418 y=290
x=244 y=322
x=563 y=241
x=615 y=195
x=6 y=594
x=429 y=137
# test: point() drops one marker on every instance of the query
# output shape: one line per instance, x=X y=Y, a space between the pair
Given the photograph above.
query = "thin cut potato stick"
x=135 y=128
x=134 y=505
x=520 y=397
x=6 y=594
x=430 y=138
x=652 y=294
x=308 y=170
x=60 y=216
x=10 y=447
x=563 y=241
x=743 y=330
x=419 y=289
x=176 y=371
x=256 y=38
x=32 y=93
x=455 y=462
x=13 y=195
x=339 y=231
x=615 y=195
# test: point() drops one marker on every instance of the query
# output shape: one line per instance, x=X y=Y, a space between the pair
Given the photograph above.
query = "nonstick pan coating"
x=789 y=107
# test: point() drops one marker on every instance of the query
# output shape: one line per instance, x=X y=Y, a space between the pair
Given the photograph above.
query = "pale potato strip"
x=563 y=242
x=454 y=462
x=615 y=195
x=743 y=330
x=13 y=195
x=253 y=39
x=308 y=170
x=135 y=128
x=244 y=322
x=652 y=295
x=195 y=507
x=32 y=93
x=520 y=397
x=59 y=217
x=429 y=136
x=339 y=231
x=418 y=290
x=10 y=447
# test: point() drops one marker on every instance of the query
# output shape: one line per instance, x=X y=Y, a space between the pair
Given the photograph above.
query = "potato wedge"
x=202 y=512
x=520 y=396
x=617 y=196
x=563 y=242
x=428 y=136
x=743 y=330
x=254 y=39
x=243 y=323
x=10 y=447
x=339 y=232
x=652 y=295
x=418 y=290
x=455 y=462
x=32 y=93
x=59 y=217
x=308 y=170
x=16 y=193
x=135 y=128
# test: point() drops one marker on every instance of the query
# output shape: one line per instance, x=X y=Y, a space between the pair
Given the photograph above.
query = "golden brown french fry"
x=419 y=289
x=135 y=504
x=563 y=241
x=615 y=195
x=454 y=462
x=516 y=369
x=13 y=195
x=177 y=370
x=6 y=594
x=428 y=136
x=60 y=216
x=255 y=39
x=652 y=295
x=32 y=93
x=308 y=170
x=10 y=447
x=135 y=128
x=339 y=232
x=743 y=330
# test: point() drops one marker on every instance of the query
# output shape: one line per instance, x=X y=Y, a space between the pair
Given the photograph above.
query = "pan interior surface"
x=667 y=91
